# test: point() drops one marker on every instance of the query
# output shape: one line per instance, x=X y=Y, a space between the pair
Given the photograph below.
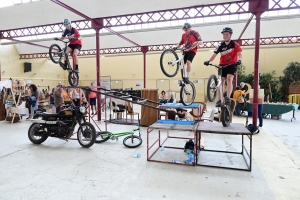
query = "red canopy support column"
x=97 y=24
x=257 y=8
x=144 y=49
x=236 y=74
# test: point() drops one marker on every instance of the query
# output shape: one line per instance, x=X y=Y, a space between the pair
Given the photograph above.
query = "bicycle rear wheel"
x=102 y=136
x=211 y=91
x=132 y=141
x=225 y=117
x=166 y=59
x=73 y=78
x=55 y=53
x=187 y=93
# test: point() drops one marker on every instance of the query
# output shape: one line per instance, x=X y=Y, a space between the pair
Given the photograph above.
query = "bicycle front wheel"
x=167 y=63
x=102 y=136
x=55 y=53
x=132 y=141
x=73 y=78
x=212 y=88
x=225 y=117
x=187 y=93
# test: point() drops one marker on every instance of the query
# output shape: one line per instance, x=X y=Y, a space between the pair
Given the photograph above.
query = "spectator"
x=34 y=99
x=92 y=97
x=58 y=97
x=238 y=96
x=163 y=98
x=77 y=96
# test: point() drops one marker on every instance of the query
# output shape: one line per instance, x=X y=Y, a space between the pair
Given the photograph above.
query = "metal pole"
x=144 y=49
x=144 y=53
x=98 y=71
x=256 y=70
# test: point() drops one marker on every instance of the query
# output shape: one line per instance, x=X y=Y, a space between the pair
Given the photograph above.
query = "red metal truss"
x=230 y=8
x=211 y=44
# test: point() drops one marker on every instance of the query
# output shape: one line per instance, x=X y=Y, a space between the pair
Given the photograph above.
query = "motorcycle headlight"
x=82 y=109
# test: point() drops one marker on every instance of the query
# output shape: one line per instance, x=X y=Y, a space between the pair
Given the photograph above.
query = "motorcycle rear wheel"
x=33 y=135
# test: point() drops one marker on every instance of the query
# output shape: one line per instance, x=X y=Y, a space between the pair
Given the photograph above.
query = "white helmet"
x=67 y=22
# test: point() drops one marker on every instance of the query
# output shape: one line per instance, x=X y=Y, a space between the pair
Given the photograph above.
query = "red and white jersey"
x=228 y=52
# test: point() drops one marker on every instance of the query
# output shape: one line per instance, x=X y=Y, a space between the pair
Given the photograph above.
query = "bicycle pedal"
x=180 y=83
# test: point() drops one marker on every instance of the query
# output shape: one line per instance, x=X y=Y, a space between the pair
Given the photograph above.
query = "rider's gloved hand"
x=206 y=63
x=238 y=62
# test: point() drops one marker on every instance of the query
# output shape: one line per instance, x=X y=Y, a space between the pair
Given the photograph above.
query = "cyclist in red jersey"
x=231 y=55
x=75 y=41
x=189 y=38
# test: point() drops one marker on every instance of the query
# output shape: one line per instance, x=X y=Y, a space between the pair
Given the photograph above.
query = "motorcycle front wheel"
x=86 y=135
x=36 y=135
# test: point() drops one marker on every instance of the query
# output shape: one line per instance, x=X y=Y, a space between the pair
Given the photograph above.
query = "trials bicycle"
x=214 y=84
x=56 y=55
x=131 y=141
x=169 y=64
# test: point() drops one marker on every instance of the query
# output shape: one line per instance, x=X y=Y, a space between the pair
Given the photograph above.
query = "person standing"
x=77 y=96
x=34 y=99
x=231 y=56
x=58 y=98
x=92 y=97
x=75 y=42
x=190 y=38
x=238 y=93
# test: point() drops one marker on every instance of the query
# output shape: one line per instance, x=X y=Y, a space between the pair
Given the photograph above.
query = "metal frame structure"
x=242 y=152
x=162 y=47
x=201 y=11
x=256 y=7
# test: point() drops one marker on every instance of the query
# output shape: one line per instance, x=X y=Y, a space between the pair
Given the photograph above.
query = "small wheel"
x=211 y=91
x=187 y=93
x=132 y=141
x=102 y=136
x=86 y=135
x=55 y=53
x=225 y=117
x=73 y=78
x=36 y=134
x=167 y=65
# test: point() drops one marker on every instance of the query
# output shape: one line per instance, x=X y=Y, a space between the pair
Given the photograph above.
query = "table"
x=180 y=105
x=233 y=129
x=276 y=109
x=169 y=125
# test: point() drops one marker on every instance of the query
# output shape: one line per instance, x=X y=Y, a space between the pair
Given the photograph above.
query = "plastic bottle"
x=162 y=148
x=176 y=161
x=136 y=155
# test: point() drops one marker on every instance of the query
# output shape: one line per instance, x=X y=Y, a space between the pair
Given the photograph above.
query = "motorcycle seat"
x=49 y=115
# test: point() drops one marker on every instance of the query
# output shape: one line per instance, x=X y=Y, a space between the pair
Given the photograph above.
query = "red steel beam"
x=162 y=47
x=200 y=11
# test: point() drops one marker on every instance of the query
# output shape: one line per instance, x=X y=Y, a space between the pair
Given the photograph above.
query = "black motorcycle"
x=62 y=125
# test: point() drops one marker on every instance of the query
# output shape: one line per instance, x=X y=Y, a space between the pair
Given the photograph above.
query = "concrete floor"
x=64 y=170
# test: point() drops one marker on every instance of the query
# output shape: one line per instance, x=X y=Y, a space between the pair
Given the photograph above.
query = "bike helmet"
x=67 y=22
x=227 y=29
x=186 y=25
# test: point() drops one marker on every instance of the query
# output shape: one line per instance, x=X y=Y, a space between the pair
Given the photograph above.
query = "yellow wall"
x=129 y=68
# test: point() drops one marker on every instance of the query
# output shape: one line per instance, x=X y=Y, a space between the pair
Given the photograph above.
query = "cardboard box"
x=261 y=95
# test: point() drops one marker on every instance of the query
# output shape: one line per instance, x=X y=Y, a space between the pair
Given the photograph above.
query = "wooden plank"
x=234 y=128
x=183 y=127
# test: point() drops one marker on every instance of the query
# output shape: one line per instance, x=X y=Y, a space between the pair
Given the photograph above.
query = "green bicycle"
x=131 y=141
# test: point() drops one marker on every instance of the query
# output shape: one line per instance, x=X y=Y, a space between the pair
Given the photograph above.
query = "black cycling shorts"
x=75 y=46
x=188 y=56
x=231 y=69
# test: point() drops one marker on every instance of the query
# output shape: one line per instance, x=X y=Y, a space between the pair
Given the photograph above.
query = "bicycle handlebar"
x=218 y=66
x=136 y=129
x=57 y=39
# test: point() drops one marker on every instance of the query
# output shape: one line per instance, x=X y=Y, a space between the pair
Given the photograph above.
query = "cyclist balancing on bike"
x=189 y=38
x=75 y=42
x=231 y=56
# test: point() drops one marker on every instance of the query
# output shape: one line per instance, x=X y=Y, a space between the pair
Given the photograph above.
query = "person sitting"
x=238 y=96
x=163 y=98
x=244 y=87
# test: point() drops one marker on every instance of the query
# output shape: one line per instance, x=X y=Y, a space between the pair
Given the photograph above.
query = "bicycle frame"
x=121 y=134
x=181 y=63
